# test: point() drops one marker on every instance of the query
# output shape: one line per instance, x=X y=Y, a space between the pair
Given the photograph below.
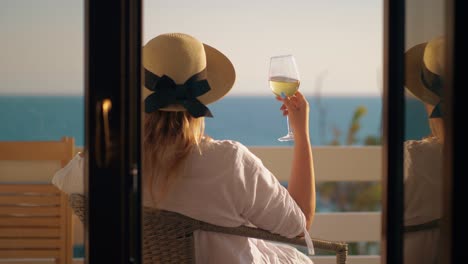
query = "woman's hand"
x=296 y=108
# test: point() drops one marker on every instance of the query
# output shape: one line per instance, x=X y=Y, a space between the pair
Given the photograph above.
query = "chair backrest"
x=168 y=237
x=35 y=218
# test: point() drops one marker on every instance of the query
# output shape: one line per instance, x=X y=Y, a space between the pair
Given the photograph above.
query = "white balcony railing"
x=336 y=164
x=332 y=164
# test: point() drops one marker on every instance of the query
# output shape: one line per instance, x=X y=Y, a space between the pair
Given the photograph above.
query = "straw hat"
x=188 y=71
x=425 y=65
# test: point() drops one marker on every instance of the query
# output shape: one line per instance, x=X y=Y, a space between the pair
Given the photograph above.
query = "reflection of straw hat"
x=425 y=65
x=177 y=66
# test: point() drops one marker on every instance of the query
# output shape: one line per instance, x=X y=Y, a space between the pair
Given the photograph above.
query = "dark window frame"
x=112 y=134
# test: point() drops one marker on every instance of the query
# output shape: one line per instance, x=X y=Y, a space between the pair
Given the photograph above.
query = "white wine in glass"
x=284 y=81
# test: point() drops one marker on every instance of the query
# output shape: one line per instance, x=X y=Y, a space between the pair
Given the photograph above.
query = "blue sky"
x=337 y=43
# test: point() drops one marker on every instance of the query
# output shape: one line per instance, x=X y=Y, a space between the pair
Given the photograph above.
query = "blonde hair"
x=168 y=139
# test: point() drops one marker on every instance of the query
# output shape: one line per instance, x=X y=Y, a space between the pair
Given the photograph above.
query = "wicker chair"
x=168 y=236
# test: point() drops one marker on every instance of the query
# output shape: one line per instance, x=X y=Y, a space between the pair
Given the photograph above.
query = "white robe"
x=423 y=198
x=225 y=185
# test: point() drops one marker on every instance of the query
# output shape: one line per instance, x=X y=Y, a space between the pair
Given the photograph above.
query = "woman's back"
x=423 y=198
x=223 y=183
x=423 y=181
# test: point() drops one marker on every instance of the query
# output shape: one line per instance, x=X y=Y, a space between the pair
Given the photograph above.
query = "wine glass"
x=284 y=81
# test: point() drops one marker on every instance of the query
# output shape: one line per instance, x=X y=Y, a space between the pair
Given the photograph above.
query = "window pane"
x=338 y=49
x=425 y=37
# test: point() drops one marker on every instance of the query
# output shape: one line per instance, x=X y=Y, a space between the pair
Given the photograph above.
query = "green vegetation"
x=354 y=127
x=348 y=196
x=353 y=196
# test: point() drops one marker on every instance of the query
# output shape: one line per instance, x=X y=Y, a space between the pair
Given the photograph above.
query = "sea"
x=251 y=120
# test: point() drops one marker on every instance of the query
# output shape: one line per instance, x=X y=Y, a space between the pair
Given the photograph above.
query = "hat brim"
x=220 y=75
x=413 y=82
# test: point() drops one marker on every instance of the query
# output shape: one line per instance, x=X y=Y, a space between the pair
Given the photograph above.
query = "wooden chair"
x=168 y=236
x=35 y=218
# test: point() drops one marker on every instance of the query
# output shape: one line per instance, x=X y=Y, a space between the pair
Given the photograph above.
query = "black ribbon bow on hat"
x=435 y=84
x=167 y=92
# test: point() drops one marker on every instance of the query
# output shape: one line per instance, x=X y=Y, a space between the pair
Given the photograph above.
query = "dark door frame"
x=393 y=132
x=112 y=134
x=454 y=227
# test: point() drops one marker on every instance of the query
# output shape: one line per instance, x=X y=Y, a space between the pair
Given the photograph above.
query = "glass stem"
x=290 y=131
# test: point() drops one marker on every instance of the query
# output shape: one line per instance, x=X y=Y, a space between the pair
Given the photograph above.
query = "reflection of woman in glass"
x=423 y=158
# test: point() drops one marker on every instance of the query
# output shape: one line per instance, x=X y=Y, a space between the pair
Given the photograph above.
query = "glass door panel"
x=425 y=65
x=42 y=126
x=341 y=79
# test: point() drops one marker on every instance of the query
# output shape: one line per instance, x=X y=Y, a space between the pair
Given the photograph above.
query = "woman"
x=423 y=158
x=218 y=181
